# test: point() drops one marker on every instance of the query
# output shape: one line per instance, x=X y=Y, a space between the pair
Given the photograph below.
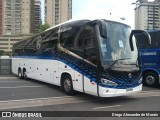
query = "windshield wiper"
x=116 y=62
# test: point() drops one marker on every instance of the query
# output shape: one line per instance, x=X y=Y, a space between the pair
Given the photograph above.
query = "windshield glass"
x=116 y=46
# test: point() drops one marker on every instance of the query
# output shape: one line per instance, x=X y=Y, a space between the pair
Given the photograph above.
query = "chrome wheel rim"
x=150 y=80
x=67 y=85
x=19 y=74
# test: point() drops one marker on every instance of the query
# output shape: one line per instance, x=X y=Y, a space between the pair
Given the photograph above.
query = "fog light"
x=107 y=91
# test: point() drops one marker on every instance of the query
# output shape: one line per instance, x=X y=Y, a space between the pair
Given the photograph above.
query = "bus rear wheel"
x=20 y=75
x=25 y=75
x=67 y=85
x=150 y=79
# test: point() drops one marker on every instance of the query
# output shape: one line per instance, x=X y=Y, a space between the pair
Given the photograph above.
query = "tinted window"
x=18 y=49
x=142 y=40
x=89 y=46
x=67 y=37
x=49 y=40
x=85 y=45
x=30 y=48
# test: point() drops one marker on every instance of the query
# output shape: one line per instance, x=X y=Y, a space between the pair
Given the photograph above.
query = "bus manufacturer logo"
x=38 y=43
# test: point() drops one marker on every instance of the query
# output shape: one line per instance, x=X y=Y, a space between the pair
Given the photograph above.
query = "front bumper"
x=110 y=92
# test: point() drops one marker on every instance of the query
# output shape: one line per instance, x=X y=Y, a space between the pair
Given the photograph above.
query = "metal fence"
x=5 y=66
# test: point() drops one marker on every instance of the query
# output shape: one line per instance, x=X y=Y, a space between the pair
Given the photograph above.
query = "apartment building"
x=147 y=15
x=27 y=16
x=0 y=17
x=37 y=15
x=57 y=11
x=16 y=17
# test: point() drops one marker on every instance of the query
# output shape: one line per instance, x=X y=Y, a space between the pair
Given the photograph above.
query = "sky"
x=118 y=8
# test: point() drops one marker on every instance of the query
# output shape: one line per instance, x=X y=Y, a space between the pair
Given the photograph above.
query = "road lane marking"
x=2 y=78
x=11 y=104
x=37 y=102
x=105 y=107
x=146 y=94
x=35 y=99
x=11 y=81
x=150 y=90
x=20 y=87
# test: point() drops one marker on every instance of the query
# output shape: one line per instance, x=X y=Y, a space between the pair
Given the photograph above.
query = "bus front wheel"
x=67 y=85
x=151 y=79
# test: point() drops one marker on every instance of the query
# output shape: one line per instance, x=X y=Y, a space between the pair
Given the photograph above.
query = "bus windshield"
x=116 y=46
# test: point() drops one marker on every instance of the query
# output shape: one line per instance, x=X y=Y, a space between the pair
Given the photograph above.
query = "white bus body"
x=75 y=56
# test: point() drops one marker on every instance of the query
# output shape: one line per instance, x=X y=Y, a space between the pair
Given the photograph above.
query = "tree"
x=43 y=27
x=2 y=53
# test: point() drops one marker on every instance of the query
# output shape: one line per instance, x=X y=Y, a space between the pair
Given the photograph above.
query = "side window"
x=18 y=49
x=67 y=37
x=30 y=48
x=49 y=40
x=86 y=43
x=89 y=47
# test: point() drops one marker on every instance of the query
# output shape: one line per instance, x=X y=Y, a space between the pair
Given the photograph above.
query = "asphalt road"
x=31 y=95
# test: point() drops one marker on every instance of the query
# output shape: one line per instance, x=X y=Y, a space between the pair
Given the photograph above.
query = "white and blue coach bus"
x=97 y=57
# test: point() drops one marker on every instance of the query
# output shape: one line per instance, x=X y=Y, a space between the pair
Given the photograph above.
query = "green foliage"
x=2 y=53
x=8 y=53
x=43 y=27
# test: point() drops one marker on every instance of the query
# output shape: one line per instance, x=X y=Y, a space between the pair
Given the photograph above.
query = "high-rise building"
x=147 y=15
x=17 y=17
x=1 y=16
x=57 y=11
x=27 y=16
x=37 y=15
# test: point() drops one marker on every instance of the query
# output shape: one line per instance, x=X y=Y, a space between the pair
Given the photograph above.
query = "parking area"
x=30 y=95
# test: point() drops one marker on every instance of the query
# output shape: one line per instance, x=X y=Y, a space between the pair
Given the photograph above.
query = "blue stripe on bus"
x=87 y=70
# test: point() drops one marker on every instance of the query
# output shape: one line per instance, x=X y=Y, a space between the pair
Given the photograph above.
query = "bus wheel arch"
x=150 y=78
x=67 y=84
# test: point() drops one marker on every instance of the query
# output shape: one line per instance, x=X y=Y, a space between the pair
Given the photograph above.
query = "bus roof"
x=80 y=21
x=108 y=17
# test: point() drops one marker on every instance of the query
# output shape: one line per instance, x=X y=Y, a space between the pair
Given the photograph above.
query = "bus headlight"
x=109 y=83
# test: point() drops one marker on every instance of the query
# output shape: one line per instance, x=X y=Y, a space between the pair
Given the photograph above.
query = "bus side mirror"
x=102 y=27
x=135 y=32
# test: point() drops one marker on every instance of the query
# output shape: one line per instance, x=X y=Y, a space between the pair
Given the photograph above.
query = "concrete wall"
x=5 y=66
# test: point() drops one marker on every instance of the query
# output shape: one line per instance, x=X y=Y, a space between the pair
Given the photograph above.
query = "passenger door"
x=86 y=43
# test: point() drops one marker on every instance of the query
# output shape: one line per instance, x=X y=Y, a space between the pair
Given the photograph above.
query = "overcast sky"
x=121 y=8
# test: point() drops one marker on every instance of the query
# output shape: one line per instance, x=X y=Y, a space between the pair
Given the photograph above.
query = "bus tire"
x=151 y=79
x=25 y=75
x=20 y=75
x=67 y=85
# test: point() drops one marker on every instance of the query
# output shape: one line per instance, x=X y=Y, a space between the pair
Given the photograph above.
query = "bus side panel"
x=78 y=81
x=15 y=66
x=90 y=87
x=55 y=72
x=65 y=69
x=43 y=70
x=149 y=58
x=28 y=65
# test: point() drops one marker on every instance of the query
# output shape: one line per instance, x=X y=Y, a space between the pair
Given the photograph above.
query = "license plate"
x=129 y=89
